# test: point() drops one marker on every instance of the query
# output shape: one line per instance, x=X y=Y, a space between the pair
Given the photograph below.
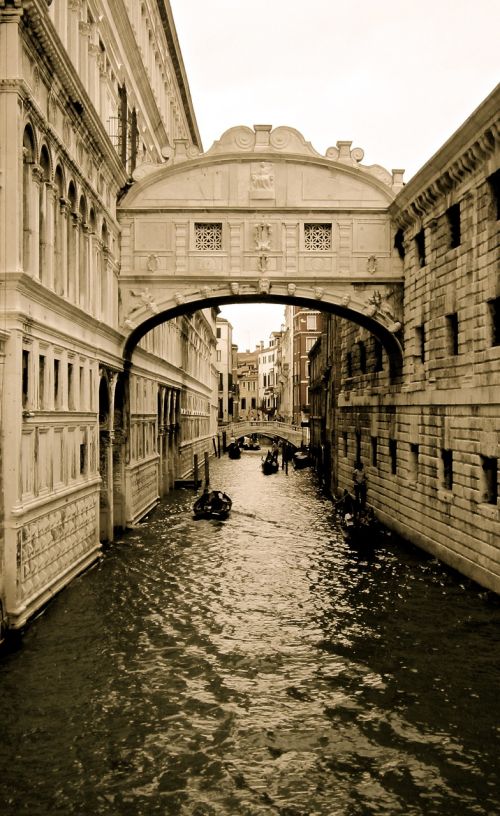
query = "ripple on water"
x=255 y=666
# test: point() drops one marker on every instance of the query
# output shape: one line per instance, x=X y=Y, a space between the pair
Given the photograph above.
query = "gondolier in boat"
x=212 y=504
x=360 y=487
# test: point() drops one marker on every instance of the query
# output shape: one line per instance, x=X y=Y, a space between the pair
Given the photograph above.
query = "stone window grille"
x=494 y=313
x=489 y=479
x=494 y=185
x=393 y=455
x=447 y=471
x=318 y=237
x=420 y=247
x=208 y=237
x=452 y=333
x=454 y=225
x=414 y=454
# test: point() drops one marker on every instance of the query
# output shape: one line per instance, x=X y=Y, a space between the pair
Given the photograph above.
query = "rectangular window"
x=447 y=460
x=454 y=227
x=83 y=454
x=494 y=315
x=393 y=455
x=254 y=403
x=26 y=378
x=82 y=389
x=374 y=449
x=414 y=462
x=494 y=186
x=362 y=356
x=71 y=387
x=310 y=341
x=489 y=480
x=420 y=247
x=221 y=381
x=218 y=332
x=420 y=342
x=208 y=237
x=345 y=442
x=243 y=404
x=57 y=388
x=41 y=381
x=311 y=322
x=452 y=333
x=348 y=362
x=317 y=237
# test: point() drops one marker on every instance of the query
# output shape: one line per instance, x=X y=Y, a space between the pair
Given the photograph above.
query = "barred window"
x=208 y=237
x=318 y=237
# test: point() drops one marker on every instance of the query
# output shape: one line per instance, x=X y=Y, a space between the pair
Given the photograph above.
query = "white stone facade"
x=89 y=93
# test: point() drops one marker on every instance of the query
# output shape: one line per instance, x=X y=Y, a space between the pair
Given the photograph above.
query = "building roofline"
x=180 y=72
x=465 y=148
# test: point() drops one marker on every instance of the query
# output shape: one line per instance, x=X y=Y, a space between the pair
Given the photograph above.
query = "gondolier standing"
x=359 y=480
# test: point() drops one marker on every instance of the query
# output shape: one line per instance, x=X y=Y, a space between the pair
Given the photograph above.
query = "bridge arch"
x=261 y=217
x=381 y=326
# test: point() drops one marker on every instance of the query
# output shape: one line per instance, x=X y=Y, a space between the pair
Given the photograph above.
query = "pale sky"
x=395 y=77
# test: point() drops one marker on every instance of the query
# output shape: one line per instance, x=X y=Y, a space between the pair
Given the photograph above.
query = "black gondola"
x=233 y=450
x=212 y=505
x=270 y=464
x=301 y=459
x=360 y=529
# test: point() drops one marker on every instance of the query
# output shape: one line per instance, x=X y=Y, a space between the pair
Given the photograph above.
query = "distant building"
x=224 y=365
x=306 y=325
x=247 y=383
x=268 y=394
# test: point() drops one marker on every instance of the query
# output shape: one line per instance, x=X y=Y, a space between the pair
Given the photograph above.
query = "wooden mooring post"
x=207 y=470
x=195 y=471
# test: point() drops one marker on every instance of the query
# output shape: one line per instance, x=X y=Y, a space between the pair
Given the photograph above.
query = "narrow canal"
x=254 y=667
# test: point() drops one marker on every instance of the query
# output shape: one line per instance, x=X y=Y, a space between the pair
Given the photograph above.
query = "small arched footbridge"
x=294 y=434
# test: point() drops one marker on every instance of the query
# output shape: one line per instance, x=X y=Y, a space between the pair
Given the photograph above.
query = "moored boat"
x=301 y=459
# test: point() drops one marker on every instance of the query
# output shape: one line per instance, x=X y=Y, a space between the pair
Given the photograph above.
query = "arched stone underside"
x=261 y=216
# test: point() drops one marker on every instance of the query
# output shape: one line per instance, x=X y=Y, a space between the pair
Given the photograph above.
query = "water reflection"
x=255 y=666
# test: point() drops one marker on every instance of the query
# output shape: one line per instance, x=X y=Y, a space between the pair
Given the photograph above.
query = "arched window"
x=93 y=263
x=44 y=245
x=103 y=272
x=82 y=254
x=59 y=234
x=28 y=159
x=71 y=242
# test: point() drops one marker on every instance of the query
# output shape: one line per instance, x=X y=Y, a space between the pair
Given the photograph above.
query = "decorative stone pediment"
x=252 y=166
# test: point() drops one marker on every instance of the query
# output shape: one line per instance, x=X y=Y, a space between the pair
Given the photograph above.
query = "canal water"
x=253 y=667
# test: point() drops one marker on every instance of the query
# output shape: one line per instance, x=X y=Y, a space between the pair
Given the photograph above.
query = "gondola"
x=233 y=450
x=270 y=464
x=360 y=530
x=249 y=444
x=212 y=505
x=301 y=459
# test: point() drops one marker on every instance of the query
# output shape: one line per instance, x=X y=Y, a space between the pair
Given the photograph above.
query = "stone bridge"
x=261 y=216
x=294 y=434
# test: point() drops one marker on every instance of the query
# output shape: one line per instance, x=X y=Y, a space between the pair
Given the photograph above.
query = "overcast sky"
x=395 y=77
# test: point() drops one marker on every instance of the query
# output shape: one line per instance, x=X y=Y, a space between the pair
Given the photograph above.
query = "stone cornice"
x=36 y=14
x=468 y=148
